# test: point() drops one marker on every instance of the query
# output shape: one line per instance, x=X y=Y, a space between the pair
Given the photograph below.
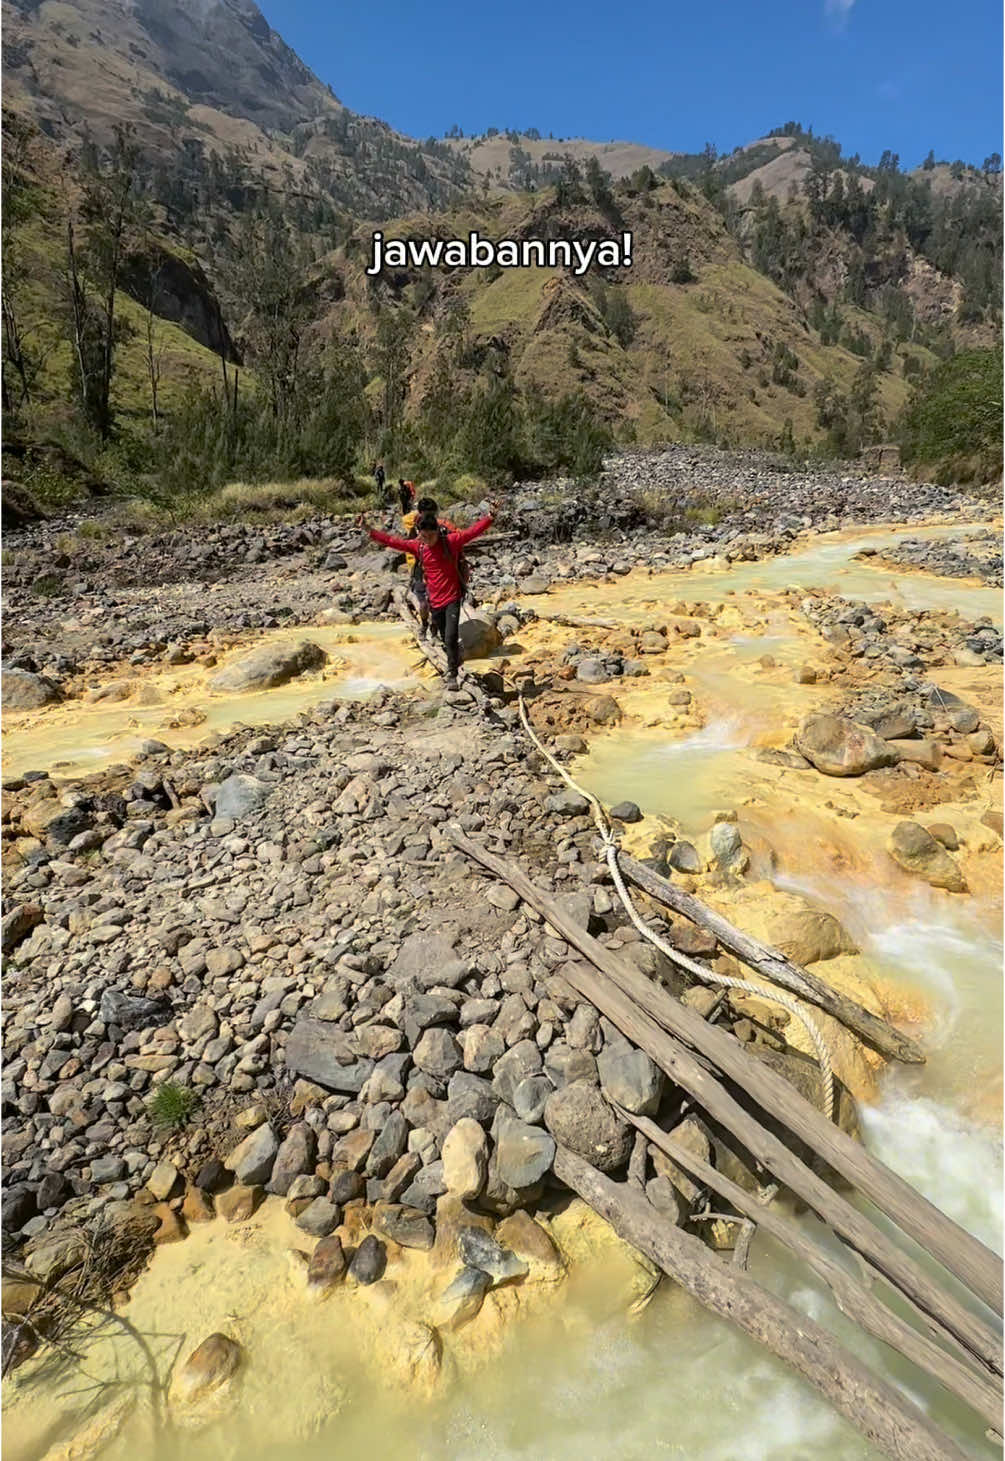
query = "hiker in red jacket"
x=438 y=553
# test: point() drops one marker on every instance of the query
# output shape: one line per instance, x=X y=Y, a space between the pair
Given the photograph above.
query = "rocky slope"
x=201 y=77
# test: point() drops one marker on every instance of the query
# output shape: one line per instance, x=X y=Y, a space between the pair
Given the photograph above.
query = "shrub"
x=952 y=424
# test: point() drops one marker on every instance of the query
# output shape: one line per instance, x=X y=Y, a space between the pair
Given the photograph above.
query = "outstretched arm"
x=464 y=535
x=403 y=545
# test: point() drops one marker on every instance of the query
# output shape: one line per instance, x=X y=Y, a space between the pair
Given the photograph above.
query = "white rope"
x=610 y=845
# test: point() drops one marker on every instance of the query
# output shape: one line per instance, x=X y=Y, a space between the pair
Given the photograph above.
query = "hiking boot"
x=451 y=682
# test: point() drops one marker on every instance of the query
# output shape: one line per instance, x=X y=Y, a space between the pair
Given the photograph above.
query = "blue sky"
x=903 y=74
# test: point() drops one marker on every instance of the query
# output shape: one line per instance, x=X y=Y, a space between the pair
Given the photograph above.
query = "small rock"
x=369 y=1261
x=208 y=1367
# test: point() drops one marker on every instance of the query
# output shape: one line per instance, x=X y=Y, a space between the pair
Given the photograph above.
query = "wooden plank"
x=659 y=1024
x=882 y=1414
x=773 y=965
x=973 y=1387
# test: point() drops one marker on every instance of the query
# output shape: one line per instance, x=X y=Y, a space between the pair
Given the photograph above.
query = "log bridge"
x=926 y=1288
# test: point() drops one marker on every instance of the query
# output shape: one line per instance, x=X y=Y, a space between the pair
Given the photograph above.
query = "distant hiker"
x=379 y=478
x=406 y=493
x=437 y=553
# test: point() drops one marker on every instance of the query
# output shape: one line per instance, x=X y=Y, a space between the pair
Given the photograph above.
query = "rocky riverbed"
x=978 y=556
x=256 y=971
x=77 y=605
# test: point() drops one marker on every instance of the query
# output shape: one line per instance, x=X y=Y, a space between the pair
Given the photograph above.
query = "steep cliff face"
x=177 y=290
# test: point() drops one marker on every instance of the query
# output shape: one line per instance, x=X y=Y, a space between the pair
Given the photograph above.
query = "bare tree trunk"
x=14 y=350
x=78 y=313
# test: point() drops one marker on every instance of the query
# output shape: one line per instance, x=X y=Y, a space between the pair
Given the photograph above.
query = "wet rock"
x=626 y=812
x=683 y=857
x=465 y=1154
x=252 y=1160
x=839 y=747
x=207 y=1368
x=239 y=1203
x=918 y=853
x=462 y=1299
x=480 y=1250
x=269 y=666
x=579 y=1118
x=528 y=1240
x=326 y=1267
x=369 y=1261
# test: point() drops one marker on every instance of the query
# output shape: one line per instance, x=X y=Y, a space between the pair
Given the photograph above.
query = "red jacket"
x=439 y=563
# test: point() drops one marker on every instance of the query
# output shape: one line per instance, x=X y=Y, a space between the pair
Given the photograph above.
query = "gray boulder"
x=426 y=960
x=523 y=1154
x=240 y=795
x=839 y=747
x=252 y=1160
x=479 y=636
x=294 y=1158
x=683 y=857
x=22 y=690
x=629 y=1077
x=320 y=1052
x=914 y=849
x=268 y=666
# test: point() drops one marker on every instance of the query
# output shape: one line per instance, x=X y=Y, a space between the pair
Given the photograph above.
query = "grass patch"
x=47 y=585
x=172 y=1106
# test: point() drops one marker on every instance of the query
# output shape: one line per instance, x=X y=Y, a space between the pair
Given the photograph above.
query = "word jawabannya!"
x=476 y=252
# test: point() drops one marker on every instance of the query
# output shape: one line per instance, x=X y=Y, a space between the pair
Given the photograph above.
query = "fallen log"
x=973 y=1387
x=773 y=965
x=881 y=1413
x=578 y=621
x=659 y=1024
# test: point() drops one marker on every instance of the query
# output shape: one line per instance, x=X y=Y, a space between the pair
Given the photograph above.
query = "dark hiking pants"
x=446 y=622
